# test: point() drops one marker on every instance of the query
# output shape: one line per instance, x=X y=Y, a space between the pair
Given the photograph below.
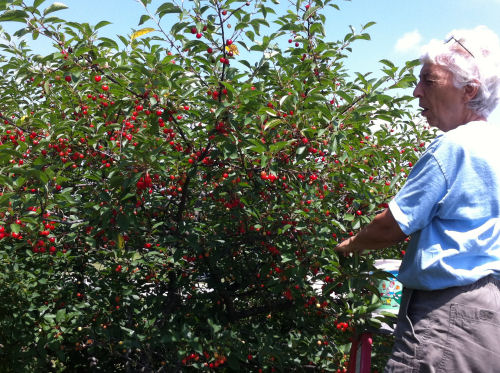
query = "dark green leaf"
x=143 y=19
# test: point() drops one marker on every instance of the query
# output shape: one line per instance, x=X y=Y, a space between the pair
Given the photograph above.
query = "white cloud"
x=409 y=42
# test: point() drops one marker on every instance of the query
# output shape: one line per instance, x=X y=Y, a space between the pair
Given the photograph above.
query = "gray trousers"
x=454 y=330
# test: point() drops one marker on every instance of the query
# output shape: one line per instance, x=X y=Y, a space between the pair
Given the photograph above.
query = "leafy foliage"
x=172 y=204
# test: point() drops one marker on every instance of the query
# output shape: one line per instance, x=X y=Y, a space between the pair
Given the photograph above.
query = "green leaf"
x=215 y=327
x=37 y=3
x=101 y=24
x=369 y=24
x=250 y=35
x=144 y=18
x=387 y=63
x=14 y=16
x=412 y=63
x=348 y=217
x=15 y=228
x=49 y=317
x=20 y=181
x=257 y=146
x=128 y=196
x=24 y=31
x=406 y=82
x=310 y=12
x=279 y=146
x=108 y=43
x=229 y=86
x=54 y=8
x=61 y=315
x=364 y=36
x=258 y=47
x=166 y=8
x=53 y=19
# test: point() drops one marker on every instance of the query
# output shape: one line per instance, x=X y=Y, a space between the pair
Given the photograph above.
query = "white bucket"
x=391 y=289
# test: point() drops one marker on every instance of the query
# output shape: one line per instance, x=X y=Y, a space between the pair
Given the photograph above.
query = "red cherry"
x=105 y=87
x=209 y=50
x=224 y=12
x=67 y=78
x=199 y=35
x=97 y=78
x=229 y=42
x=193 y=30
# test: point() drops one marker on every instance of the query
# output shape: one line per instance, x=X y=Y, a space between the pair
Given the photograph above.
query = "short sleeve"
x=415 y=205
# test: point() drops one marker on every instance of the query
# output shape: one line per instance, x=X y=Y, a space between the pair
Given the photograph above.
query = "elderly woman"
x=449 y=320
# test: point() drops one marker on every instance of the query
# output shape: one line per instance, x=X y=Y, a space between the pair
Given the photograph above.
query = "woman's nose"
x=417 y=92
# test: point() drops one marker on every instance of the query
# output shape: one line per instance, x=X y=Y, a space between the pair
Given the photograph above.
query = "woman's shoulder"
x=477 y=133
x=475 y=139
x=472 y=129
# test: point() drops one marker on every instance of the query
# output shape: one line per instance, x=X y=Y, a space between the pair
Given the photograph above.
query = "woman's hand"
x=345 y=247
x=382 y=232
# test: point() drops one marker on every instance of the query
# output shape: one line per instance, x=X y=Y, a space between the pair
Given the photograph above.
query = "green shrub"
x=171 y=205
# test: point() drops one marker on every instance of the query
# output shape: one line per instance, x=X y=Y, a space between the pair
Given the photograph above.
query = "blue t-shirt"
x=450 y=205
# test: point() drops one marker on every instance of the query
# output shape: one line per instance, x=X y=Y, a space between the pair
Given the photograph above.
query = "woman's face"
x=444 y=106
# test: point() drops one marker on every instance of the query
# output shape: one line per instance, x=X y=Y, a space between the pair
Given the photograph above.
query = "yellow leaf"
x=233 y=48
x=121 y=242
x=141 y=32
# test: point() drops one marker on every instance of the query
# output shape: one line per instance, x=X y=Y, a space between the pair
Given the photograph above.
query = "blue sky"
x=402 y=26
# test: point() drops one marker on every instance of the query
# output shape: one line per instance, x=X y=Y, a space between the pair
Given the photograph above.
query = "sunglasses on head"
x=459 y=42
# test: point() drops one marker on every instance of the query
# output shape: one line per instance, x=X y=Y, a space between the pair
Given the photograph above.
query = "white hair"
x=473 y=57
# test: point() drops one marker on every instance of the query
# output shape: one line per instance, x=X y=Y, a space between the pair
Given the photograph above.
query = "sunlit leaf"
x=232 y=48
x=142 y=32
x=54 y=8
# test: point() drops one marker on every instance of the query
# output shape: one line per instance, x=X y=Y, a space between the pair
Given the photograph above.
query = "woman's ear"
x=470 y=90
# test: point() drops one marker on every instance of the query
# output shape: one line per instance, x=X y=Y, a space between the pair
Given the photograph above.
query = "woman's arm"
x=382 y=232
